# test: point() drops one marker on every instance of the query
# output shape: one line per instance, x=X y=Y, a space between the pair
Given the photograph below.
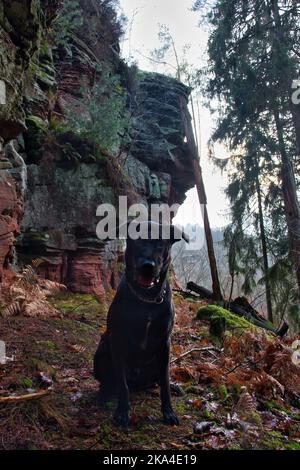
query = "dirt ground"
x=56 y=354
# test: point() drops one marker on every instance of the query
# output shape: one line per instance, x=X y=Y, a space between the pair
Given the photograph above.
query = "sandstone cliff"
x=53 y=55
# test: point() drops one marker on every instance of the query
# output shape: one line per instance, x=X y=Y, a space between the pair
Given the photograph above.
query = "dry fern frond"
x=28 y=293
x=39 y=308
x=13 y=309
x=249 y=345
x=28 y=278
x=37 y=262
x=266 y=385
x=51 y=287
x=284 y=370
x=183 y=374
x=246 y=404
x=210 y=373
x=77 y=348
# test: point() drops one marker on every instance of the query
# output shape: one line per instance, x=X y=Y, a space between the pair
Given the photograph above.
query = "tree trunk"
x=202 y=199
x=231 y=288
x=289 y=74
x=295 y=110
x=264 y=251
x=291 y=203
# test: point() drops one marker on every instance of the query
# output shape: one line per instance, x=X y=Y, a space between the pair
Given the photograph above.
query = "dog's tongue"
x=145 y=282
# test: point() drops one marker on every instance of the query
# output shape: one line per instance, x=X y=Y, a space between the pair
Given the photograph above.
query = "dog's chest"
x=145 y=338
x=148 y=334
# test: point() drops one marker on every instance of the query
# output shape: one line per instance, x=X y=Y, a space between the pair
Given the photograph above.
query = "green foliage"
x=103 y=120
x=276 y=440
x=34 y=138
x=284 y=290
x=253 y=57
x=223 y=392
x=243 y=255
x=26 y=382
x=232 y=321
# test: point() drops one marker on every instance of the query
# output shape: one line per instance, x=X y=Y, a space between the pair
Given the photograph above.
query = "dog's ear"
x=177 y=234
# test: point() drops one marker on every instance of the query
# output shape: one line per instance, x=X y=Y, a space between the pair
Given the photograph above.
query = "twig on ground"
x=245 y=362
x=28 y=396
x=207 y=348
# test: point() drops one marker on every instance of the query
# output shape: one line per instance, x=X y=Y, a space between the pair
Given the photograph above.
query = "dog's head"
x=148 y=259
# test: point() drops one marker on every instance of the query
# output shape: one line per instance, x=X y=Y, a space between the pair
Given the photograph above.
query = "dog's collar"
x=157 y=300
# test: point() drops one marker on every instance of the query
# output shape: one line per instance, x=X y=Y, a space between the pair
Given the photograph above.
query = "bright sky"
x=144 y=17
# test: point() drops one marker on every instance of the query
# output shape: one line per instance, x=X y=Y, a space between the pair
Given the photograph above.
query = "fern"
x=28 y=293
x=246 y=404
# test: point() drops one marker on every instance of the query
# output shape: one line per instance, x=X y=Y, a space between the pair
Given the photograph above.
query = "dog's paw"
x=121 y=418
x=170 y=417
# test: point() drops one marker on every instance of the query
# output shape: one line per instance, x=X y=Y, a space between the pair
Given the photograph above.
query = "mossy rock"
x=232 y=321
x=35 y=136
x=46 y=78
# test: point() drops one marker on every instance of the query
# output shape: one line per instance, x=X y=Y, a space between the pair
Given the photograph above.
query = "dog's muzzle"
x=146 y=275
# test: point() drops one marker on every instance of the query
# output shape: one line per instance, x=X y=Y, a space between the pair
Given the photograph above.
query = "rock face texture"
x=52 y=179
x=159 y=141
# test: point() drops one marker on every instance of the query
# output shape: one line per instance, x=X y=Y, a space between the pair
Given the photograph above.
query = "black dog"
x=134 y=351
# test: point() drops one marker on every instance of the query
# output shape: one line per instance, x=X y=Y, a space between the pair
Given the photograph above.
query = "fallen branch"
x=240 y=364
x=241 y=307
x=201 y=291
x=207 y=348
x=28 y=396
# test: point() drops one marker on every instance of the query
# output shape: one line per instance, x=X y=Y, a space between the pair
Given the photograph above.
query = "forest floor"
x=242 y=394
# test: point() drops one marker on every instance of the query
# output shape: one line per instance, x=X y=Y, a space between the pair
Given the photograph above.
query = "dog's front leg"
x=121 y=415
x=166 y=406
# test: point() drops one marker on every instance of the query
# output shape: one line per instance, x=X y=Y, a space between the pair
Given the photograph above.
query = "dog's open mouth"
x=147 y=275
x=147 y=282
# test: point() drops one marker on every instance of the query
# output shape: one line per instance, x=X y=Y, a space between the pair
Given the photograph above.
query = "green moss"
x=272 y=404
x=26 y=382
x=79 y=304
x=36 y=122
x=50 y=345
x=34 y=137
x=182 y=407
x=295 y=416
x=42 y=366
x=192 y=389
x=208 y=414
x=46 y=78
x=232 y=321
x=255 y=418
x=235 y=391
x=275 y=440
